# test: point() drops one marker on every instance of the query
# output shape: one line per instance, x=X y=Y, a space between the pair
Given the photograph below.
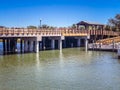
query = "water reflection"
x=37 y=61
x=61 y=58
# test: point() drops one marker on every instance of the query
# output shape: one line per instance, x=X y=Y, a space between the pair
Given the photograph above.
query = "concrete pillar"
x=4 y=46
x=36 y=46
x=8 y=45
x=21 y=45
x=60 y=44
x=53 y=44
x=31 y=46
x=79 y=42
x=44 y=46
x=64 y=44
x=15 y=45
x=40 y=46
x=25 y=46
x=86 y=44
x=11 y=46
x=28 y=44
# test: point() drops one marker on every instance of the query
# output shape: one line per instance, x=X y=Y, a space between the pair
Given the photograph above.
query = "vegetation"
x=45 y=26
x=114 y=23
x=74 y=26
x=31 y=27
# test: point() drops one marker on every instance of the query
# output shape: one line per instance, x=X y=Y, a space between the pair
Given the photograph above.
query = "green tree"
x=74 y=26
x=31 y=27
x=44 y=26
x=108 y=27
x=115 y=22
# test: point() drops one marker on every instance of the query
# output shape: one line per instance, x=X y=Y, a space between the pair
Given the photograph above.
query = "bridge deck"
x=9 y=32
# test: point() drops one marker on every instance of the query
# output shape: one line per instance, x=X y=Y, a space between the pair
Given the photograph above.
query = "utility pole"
x=40 y=23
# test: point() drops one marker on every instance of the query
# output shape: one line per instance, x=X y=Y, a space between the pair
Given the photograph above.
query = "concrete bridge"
x=33 y=40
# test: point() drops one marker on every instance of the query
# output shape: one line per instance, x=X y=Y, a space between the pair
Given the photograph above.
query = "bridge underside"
x=36 y=44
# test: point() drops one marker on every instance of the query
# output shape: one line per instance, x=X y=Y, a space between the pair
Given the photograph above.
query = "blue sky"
x=21 y=13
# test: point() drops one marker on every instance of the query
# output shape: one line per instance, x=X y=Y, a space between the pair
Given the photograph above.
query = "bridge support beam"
x=86 y=44
x=25 y=45
x=31 y=46
x=8 y=45
x=4 y=46
x=78 y=42
x=21 y=45
x=15 y=45
x=36 y=46
x=64 y=43
x=60 y=44
x=28 y=45
x=40 y=45
x=52 y=43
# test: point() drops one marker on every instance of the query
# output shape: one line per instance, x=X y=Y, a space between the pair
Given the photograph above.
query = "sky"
x=58 y=13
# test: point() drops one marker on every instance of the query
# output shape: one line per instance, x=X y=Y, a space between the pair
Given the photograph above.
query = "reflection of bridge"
x=36 y=39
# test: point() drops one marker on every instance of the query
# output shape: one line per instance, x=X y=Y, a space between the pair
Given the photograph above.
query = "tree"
x=45 y=26
x=31 y=27
x=115 y=22
x=108 y=27
x=74 y=26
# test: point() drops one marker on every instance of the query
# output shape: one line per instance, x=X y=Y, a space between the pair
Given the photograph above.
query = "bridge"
x=33 y=40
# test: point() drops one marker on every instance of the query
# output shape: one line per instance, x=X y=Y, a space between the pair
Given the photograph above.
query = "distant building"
x=90 y=25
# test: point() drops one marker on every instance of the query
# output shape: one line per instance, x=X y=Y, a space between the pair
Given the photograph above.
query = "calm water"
x=69 y=69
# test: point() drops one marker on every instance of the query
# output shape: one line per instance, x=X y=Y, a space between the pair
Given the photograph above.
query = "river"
x=69 y=69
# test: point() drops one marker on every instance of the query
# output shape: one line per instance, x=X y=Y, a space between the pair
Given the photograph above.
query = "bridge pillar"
x=21 y=45
x=86 y=44
x=25 y=45
x=79 y=42
x=40 y=45
x=64 y=44
x=52 y=43
x=11 y=46
x=44 y=46
x=60 y=44
x=28 y=43
x=15 y=45
x=8 y=45
x=36 y=46
x=4 y=46
x=31 y=46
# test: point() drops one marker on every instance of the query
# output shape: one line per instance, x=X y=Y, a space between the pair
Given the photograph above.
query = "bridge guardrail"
x=57 y=31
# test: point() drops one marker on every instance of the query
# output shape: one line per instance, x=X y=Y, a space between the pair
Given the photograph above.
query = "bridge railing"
x=24 y=31
x=56 y=31
x=103 y=32
x=74 y=32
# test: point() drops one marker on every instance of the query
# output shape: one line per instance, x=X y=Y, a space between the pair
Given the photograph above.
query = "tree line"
x=44 y=26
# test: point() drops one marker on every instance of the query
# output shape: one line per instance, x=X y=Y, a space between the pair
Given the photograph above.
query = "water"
x=69 y=69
